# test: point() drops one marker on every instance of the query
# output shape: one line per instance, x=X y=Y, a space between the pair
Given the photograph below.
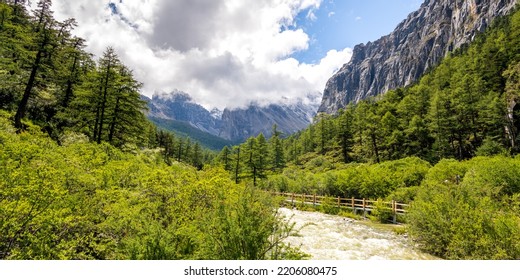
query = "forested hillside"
x=47 y=78
x=466 y=106
x=448 y=144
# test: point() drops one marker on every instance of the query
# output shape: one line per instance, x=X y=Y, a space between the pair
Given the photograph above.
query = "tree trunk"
x=179 y=155
x=103 y=104
x=374 y=144
x=22 y=107
x=68 y=91
x=237 y=167
x=113 y=124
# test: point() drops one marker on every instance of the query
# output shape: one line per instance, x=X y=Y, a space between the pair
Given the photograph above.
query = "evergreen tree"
x=225 y=158
x=346 y=132
x=108 y=106
x=237 y=161
x=41 y=53
x=277 y=154
x=197 y=156
x=261 y=154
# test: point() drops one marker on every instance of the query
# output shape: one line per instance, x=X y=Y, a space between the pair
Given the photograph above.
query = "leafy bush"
x=403 y=195
x=329 y=205
x=490 y=147
x=494 y=177
x=382 y=212
x=89 y=201
x=474 y=219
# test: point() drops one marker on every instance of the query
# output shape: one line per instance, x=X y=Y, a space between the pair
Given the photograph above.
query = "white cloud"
x=311 y=15
x=225 y=53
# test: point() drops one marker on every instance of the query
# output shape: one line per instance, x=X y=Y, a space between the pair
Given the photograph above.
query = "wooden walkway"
x=355 y=204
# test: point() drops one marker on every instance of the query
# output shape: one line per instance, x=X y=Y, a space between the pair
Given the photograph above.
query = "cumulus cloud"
x=224 y=53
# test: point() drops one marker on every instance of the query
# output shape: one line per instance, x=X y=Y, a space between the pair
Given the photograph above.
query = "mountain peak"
x=174 y=96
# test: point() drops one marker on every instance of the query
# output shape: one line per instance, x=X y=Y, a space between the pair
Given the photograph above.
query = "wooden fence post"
x=314 y=200
x=364 y=210
x=394 y=211
x=339 y=202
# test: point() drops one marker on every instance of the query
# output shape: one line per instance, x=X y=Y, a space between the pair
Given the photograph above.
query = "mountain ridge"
x=178 y=109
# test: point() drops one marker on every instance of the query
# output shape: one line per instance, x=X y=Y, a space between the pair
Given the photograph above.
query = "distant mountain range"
x=215 y=129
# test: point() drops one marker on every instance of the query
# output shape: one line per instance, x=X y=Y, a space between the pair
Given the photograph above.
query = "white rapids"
x=328 y=237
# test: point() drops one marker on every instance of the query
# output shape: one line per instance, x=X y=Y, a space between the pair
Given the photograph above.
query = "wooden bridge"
x=355 y=204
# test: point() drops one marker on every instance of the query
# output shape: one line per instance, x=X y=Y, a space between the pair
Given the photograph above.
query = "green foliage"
x=329 y=205
x=472 y=218
x=494 y=177
x=403 y=195
x=108 y=106
x=247 y=227
x=352 y=180
x=381 y=212
x=88 y=201
x=490 y=147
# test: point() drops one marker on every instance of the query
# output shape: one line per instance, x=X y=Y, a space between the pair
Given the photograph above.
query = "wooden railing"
x=357 y=205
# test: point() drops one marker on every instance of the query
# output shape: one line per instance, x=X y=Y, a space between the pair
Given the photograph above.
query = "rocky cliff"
x=180 y=107
x=240 y=124
x=418 y=43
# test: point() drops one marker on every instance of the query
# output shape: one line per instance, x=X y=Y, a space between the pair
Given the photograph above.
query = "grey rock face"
x=240 y=124
x=418 y=43
x=179 y=106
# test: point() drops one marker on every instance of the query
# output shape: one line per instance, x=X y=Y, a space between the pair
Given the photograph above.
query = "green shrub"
x=490 y=147
x=381 y=212
x=329 y=205
x=470 y=216
x=90 y=201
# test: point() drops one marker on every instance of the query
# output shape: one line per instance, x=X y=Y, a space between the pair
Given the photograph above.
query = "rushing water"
x=328 y=237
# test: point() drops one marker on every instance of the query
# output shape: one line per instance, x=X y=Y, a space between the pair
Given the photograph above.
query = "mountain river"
x=328 y=237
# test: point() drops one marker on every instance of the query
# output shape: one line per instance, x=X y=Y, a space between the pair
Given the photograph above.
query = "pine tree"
x=237 y=160
x=45 y=39
x=225 y=158
x=197 y=156
x=107 y=106
x=106 y=80
x=261 y=154
x=345 y=132
x=276 y=149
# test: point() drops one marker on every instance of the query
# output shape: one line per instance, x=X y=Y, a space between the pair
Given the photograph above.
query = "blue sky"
x=346 y=23
x=229 y=53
